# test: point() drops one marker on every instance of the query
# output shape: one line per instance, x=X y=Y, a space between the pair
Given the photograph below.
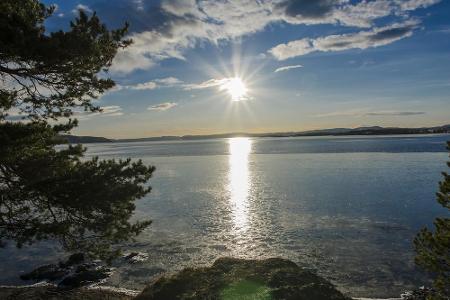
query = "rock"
x=135 y=257
x=230 y=278
x=71 y=273
x=85 y=267
x=420 y=294
x=47 y=272
x=51 y=292
x=85 y=275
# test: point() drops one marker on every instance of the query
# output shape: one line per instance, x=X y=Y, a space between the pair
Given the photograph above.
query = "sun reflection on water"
x=239 y=181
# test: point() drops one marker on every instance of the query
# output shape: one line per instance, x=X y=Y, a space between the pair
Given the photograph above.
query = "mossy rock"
x=238 y=279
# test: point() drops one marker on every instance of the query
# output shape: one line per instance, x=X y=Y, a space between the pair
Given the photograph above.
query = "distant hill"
x=366 y=130
x=74 y=139
x=376 y=130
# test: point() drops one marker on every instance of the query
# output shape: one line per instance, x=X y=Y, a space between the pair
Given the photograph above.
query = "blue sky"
x=301 y=64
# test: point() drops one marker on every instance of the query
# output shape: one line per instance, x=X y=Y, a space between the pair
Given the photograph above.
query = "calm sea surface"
x=347 y=207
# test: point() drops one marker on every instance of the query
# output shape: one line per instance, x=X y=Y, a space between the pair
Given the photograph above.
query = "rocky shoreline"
x=53 y=292
x=227 y=278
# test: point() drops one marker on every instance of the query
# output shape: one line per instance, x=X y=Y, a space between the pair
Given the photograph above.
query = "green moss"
x=246 y=290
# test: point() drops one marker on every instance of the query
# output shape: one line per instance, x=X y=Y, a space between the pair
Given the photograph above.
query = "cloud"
x=151 y=85
x=175 y=82
x=395 y=113
x=206 y=84
x=349 y=113
x=185 y=24
x=445 y=30
x=129 y=60
x=360 y=40
x=310 y=11
x=222 y=84
x=107 y=111
x=407 y=5
x=169 y=81
x=166 y=29
x=363 y=113
x=292 y=49
x=162 y=106
x=346 y=12
x=113 y=110
x=82 y=7
x=144 y=86
x=139 y=4
x=285 y=68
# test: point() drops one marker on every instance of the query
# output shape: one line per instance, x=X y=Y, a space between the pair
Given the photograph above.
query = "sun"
x=235 y=87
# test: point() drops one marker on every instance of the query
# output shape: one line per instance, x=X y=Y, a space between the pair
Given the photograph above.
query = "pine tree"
x=45 y=193
x=433 y=247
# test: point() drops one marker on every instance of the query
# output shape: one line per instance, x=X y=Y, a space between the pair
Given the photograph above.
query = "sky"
x=220 y=66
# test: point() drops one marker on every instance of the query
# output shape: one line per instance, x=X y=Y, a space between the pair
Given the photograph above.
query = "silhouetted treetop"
x=47 y=75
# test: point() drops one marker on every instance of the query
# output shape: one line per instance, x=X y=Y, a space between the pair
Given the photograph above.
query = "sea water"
x=346 y=207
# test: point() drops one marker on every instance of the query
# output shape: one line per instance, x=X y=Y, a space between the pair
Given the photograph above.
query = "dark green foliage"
x=433 y=248
x=48 y=192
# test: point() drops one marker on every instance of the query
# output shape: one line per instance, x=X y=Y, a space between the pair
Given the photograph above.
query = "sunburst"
x=235 y=87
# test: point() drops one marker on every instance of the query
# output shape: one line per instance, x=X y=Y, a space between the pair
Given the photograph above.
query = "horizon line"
x=240 y=133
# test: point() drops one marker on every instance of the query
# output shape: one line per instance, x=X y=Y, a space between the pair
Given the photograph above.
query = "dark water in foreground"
x=348 y=207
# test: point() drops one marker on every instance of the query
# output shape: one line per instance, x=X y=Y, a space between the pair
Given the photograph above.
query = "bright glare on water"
x=239 y=180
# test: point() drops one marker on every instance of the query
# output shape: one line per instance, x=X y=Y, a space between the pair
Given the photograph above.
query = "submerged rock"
x=230 y=278
x=74 y=259
x=85 y=275
x=47 y=272
x=135 y=257
x=71 y=274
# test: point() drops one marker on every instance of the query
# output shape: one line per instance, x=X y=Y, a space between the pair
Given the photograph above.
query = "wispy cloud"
x=365 y=113
x=395 y=113
x=360 y=40
x=151 y=85
x=445 y=30
x=415 y=4
x=143 y=86
x=206 y=84
x=162 y=106
x=285 y=68
x=107 y=111
x=169 y=81
x=175 y=82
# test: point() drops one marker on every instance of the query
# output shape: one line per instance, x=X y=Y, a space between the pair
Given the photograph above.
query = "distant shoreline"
x=362 y=131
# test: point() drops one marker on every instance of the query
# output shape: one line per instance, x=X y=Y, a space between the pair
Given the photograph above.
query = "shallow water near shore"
x=347 y=207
